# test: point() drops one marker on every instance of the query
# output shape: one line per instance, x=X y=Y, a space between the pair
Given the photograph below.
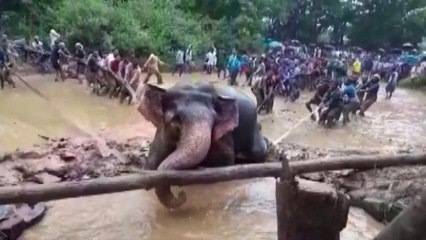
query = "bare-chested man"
x=92 y=71
x=320 y=92
x=151 y=66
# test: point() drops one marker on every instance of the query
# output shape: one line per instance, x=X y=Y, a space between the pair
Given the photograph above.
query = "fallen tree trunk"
x=150 y=179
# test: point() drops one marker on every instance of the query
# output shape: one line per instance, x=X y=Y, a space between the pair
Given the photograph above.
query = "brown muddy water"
x=232 y=210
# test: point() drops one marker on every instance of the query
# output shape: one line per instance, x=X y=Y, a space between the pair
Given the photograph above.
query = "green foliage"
x=140 y=25
x=162 y=25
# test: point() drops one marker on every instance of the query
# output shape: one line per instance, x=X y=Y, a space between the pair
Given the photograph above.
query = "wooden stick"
x=150 y=179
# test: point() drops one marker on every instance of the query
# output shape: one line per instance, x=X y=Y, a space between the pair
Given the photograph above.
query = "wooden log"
x=409 y=224
x=150 y=179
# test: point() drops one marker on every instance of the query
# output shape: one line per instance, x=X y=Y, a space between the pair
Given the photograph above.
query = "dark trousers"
x=233 y=75
x=178 y=68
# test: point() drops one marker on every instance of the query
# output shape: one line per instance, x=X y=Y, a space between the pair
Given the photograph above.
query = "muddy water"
x=233 y=210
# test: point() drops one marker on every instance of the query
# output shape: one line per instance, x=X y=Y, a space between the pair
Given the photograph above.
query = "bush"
x=141 y=25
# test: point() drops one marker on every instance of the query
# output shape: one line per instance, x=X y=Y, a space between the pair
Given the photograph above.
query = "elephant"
x=200 y=125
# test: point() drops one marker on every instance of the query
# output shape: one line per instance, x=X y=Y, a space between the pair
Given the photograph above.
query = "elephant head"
x=192 y=120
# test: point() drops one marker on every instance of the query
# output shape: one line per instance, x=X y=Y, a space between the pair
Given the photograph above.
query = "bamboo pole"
x=149 y=179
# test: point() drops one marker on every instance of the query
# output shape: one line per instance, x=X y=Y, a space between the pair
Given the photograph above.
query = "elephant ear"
x=151 y=106
x=226 y=116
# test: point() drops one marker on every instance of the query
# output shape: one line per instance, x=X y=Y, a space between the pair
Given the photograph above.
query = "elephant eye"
x=171 y=117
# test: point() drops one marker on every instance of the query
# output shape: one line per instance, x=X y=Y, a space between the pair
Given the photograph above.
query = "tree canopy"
x=161 y=25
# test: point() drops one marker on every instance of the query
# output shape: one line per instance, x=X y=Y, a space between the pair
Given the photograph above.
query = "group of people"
x=110 y=73
x=343 y=83
x=115 y=74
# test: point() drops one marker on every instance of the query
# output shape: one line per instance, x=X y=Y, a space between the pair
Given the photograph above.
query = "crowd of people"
x=344 y=81
x=112 y=74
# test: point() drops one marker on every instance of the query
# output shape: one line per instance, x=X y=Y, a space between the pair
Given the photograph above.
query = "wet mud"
x=75 y=159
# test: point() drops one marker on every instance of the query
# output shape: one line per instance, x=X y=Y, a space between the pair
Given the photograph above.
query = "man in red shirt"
x=113 y=78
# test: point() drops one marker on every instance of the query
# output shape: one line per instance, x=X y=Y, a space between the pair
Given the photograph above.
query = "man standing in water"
x=151 y=66
x=371 y=97
x=391 y=86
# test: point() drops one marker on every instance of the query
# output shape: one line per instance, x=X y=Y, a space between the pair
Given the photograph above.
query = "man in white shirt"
x=210 y=61
x=37 y=44
x=54 y=36
x=179 y=62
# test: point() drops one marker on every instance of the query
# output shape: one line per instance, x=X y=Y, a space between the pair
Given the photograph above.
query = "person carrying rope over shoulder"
x=151 y=66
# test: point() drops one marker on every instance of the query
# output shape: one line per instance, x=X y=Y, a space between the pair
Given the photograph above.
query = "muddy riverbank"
x=83 y=158
x=233 y=210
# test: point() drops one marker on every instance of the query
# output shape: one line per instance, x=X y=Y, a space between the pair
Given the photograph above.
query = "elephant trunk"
x=192 y=148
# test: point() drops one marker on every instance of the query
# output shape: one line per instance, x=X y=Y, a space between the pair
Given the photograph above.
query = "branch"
x=149 y=179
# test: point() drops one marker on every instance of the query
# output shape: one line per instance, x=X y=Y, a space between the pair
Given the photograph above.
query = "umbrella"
x=275 y=44
x=410 y=59
x=407 y=45
x=382 y=50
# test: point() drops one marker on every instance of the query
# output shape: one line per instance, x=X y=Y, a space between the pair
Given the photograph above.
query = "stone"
x=67 y=156
x=22 y=218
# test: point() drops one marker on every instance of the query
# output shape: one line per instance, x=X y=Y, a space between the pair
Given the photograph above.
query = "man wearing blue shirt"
x=234 y=65
x=350 y=99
